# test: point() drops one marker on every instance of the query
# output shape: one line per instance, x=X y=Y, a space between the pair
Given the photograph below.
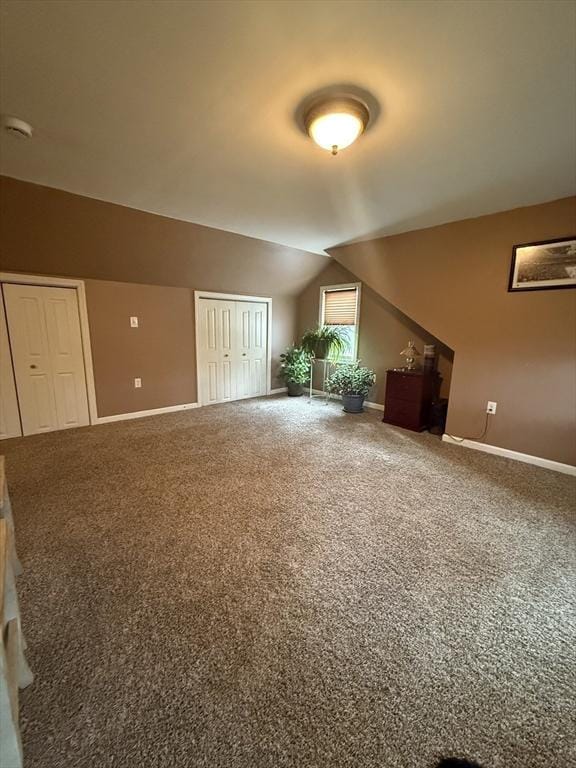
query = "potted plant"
x=325 y=341
x=353 y=382
x=295 y=370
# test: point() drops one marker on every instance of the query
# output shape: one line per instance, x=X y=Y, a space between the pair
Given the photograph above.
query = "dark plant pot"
x=321 y=350
x=353 y=403
x=294 y=389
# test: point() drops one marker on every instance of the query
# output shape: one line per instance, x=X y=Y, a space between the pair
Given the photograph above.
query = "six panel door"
x=217 y=321
x=48 y=359
x=251 y=322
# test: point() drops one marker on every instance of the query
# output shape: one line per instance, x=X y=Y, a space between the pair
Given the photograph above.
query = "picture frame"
x=543 y=265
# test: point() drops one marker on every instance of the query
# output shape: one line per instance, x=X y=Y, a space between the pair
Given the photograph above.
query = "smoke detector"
x=16 y=127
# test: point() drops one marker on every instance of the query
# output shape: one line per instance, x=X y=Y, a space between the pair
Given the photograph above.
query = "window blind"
x=340 y=307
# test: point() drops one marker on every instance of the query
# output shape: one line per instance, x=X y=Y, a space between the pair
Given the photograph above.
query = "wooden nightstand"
x=409 y=395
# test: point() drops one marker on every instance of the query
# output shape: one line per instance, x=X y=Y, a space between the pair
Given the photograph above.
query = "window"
x=340 y=306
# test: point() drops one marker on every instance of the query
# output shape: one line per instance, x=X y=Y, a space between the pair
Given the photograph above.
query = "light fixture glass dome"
x=336 y=130
x=336 y=123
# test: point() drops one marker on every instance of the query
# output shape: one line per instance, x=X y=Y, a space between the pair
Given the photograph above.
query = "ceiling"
x=186 y=109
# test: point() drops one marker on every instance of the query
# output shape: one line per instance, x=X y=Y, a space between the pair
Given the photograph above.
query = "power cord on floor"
x=482 y=436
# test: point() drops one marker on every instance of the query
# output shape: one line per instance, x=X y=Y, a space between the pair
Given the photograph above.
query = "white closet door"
x=44 y=328
x=217 y=340
x=252 y=321
x=9 y=416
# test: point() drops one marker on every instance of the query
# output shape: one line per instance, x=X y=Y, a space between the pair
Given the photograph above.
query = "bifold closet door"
x=217 y=331
x=232 y=349
x=251 y=321
x=46 y=342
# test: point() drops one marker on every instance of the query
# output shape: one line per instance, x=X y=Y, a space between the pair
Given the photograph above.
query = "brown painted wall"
x=384 y=330
x=137 y=263
x=58 y=233
x=160 y=351
x=515 y=348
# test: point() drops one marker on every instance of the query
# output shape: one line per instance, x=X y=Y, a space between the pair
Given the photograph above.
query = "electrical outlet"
x=137 y=383
x=491 y=407
x=133 y=322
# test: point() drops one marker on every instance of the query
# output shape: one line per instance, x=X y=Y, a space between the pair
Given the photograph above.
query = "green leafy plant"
x=295 y=366
x=351 y=379
x=326 y=341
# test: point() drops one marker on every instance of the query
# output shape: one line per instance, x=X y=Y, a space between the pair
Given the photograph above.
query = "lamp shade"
x=410 y=351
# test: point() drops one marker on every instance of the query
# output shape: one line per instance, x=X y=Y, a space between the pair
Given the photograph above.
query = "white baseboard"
x=556 y=466
x=167 y=409
x=367 y=403
x=141 y=414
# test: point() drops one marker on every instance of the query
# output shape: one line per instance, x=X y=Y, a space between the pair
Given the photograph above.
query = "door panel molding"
x=48 y=358
x=79 y=285
x=267 y=341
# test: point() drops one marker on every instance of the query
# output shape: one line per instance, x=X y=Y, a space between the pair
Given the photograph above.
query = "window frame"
x=321 y=304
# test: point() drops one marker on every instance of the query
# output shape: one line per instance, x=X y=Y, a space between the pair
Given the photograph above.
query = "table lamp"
x=410 y=353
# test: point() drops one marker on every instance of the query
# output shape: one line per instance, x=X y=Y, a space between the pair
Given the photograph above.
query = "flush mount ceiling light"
x=335 y=123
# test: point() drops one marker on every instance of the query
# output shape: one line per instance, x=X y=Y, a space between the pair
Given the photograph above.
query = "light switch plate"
x=133 y=322
x=137 y=383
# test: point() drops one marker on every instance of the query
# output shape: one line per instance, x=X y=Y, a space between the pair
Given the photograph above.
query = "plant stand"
x=325 y=370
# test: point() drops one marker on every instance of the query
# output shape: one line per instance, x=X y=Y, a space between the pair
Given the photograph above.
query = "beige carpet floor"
x=277 y=584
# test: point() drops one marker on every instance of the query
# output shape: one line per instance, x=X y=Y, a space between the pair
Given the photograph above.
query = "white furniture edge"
x=68 y=282
x=151 y=412
x=527 y=458
x=233 y=297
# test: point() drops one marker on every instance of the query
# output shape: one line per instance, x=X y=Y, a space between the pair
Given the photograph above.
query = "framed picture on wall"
x=544 y=265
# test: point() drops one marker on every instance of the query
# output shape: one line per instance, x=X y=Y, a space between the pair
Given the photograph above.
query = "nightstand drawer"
x=404 y=386
x=403 y=413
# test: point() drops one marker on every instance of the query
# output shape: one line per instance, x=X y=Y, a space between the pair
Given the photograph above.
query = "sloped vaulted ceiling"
x=186 y=109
